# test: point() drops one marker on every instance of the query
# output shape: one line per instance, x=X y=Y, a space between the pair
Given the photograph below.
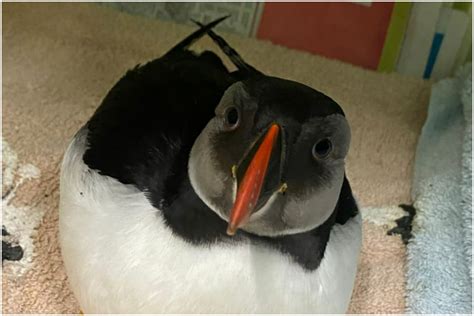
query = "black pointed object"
x=190 y=39
x=236 y=59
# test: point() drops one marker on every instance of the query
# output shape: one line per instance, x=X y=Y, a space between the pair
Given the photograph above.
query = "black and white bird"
x=194 y=189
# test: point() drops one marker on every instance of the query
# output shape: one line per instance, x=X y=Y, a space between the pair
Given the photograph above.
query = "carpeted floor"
x=59 y=61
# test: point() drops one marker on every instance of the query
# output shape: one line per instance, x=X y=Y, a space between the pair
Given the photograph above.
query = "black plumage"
x=143 y=132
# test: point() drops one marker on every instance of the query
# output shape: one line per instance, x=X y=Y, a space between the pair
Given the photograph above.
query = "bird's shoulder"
x=182 y=81
x=150 y=118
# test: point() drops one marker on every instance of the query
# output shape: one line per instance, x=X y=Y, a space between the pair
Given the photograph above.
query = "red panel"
x=346 y=31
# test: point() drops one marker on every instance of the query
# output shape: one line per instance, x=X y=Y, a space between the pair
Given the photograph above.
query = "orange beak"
x=252 y=182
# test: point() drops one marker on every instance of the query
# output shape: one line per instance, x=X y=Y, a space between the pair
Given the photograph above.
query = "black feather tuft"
x=190 y=39
x=236 y=59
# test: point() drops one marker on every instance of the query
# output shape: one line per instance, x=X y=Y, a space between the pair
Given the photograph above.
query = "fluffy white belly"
x=120 y=257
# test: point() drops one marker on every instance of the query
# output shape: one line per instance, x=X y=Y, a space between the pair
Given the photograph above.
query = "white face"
x=308 y=161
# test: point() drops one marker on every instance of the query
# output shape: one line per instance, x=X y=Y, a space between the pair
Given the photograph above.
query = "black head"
x=296 y=136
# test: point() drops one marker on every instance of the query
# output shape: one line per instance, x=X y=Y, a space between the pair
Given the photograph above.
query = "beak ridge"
x=252 y=182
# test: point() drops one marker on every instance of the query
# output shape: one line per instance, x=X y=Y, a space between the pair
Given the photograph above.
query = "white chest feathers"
x=120 y=257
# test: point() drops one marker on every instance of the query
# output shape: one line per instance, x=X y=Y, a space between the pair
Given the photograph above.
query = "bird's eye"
x=322 y=149
x=231 y=118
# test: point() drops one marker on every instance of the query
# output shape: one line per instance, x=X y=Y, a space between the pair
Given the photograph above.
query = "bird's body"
x=141 y=231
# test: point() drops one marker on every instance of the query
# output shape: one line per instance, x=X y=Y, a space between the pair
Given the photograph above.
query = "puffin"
x=197 y=189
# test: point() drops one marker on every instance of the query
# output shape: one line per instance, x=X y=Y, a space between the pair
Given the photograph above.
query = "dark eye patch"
x=322 y=148
x=232 y=118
